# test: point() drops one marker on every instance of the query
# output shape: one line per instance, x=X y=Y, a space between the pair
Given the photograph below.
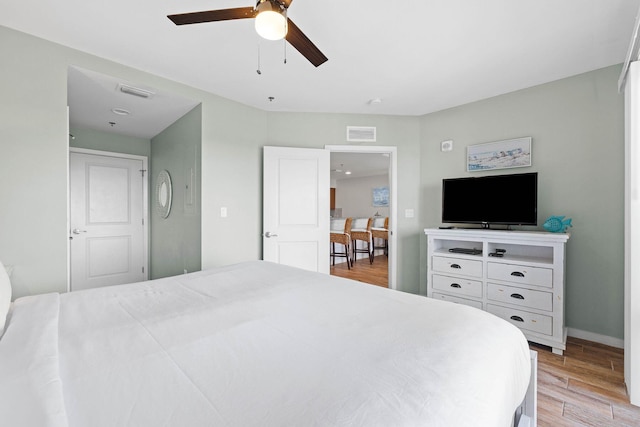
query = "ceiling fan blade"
x=213 y=15
x=305 y=46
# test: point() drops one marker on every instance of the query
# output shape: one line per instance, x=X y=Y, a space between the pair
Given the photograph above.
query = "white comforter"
x=257 y=344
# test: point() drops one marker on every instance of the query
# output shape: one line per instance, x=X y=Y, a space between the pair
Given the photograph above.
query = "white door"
x=296 y=207
x=106 y=221
x=632 y=235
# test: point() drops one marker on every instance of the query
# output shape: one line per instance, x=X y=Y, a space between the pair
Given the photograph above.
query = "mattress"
x=257 y=344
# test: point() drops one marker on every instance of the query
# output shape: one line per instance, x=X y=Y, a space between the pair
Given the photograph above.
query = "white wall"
x=355 y=197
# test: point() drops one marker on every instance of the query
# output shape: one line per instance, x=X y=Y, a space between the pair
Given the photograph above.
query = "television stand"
x=516 y=275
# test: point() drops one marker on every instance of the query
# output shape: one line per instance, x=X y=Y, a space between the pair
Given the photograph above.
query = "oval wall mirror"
x=163 y=194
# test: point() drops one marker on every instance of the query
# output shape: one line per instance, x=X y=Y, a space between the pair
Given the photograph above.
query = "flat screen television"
x=497 y=199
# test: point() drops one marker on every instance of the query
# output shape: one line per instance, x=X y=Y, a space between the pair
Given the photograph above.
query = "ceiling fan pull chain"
x=285 y=51
x=258 y=70
x=284 y=39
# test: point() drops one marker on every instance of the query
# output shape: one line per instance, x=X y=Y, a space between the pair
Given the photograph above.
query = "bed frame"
x=527 y=413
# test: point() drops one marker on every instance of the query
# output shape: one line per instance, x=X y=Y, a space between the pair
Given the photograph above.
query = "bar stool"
x=342 y=238
x=365 y=236
x=381 y=233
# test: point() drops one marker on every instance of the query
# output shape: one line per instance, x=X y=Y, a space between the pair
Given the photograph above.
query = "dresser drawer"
x=466 y=267
x=457 y=285
x=522 y=297
x=536 y=276
x=524 y=320
x=457 y=300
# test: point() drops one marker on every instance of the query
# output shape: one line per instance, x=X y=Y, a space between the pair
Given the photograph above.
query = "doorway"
x=375 y=166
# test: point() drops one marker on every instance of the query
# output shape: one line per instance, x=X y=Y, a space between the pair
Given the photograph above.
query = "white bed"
x=257 y=344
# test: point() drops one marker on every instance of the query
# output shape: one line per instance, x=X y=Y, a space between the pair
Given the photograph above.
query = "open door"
x=632 y=235
x=296 y=207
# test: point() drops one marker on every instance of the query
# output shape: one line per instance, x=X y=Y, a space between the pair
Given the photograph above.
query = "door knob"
x=77 y=231
x=270 y=234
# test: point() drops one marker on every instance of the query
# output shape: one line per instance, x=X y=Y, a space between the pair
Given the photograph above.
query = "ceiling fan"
x=271 y=23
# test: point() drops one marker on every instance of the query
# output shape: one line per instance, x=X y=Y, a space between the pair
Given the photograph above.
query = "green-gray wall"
x=576 y=125
x=317 y=130
x=107 y=141
x=578 y=151
x=176 y=240
x=34 y=146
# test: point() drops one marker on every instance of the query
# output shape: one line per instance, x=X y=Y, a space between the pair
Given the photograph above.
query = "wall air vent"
x=135 y=91
x=361 y=134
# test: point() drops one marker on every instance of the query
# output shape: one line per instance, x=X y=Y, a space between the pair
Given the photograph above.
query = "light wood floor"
x=584 y=387
x=375 y=274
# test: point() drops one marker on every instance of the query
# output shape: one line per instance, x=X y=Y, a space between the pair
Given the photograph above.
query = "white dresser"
x=524 y=286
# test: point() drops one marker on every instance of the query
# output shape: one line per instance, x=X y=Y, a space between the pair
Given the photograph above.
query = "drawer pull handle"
x=455 y=266
x=517 y=274
x=517 y=318
x=517 y=296
x=455 y=285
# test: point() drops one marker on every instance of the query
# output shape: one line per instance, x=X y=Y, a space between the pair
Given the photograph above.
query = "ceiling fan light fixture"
x=271 y=23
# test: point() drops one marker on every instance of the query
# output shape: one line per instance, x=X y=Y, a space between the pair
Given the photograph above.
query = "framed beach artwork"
x=381 y=196
x=510 y=153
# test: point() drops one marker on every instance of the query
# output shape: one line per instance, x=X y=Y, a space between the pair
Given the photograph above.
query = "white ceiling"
x=358 y=164
x=416 y=56
x=92 y=98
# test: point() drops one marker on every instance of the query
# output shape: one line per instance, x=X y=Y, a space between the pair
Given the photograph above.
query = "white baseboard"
x=592 y=336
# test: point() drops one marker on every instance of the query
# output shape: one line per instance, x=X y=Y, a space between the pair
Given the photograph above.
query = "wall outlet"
x=223 y=212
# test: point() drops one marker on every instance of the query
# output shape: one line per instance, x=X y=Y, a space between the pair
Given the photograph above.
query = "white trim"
x=109 y=154
x=632 y=234
x=145 y=202
x=393 y=199
x=632 y=54
x=527 y=413
x=592 y=336
x=68 y=243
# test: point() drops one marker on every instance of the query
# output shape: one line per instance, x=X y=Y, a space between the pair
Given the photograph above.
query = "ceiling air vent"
x=135 y=91
x=361 y=134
